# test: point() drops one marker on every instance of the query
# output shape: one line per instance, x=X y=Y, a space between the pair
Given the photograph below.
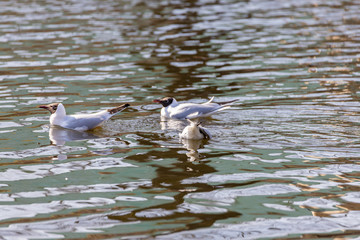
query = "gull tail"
x=193 y=122
x=118 y=109
x=228 y=103
x=211 y=99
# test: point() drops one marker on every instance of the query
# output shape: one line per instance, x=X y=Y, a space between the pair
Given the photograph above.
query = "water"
x=283 y=161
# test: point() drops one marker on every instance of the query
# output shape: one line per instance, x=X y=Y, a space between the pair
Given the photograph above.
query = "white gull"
x=79 y=122
x=172 y=109
x=195 y=131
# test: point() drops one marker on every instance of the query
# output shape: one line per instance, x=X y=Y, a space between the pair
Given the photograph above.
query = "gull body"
x=172 y=109
x=195 y=131
x=79 y=122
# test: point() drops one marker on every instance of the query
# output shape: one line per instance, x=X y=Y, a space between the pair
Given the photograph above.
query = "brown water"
x=283 y=161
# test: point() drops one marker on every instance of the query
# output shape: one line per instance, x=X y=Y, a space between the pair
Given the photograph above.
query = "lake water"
x=283 y=161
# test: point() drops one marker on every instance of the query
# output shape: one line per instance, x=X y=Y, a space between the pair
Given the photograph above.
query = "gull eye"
x=54 y=107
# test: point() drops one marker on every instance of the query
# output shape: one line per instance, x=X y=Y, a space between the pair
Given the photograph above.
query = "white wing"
x=83 y=122
x=193 y=110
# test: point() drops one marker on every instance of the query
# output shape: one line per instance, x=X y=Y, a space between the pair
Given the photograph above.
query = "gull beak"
x=157 y=101
x=43 y=106
x=47 y=107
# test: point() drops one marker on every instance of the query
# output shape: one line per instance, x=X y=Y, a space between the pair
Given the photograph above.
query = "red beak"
x=43 y=106
x=157 y=101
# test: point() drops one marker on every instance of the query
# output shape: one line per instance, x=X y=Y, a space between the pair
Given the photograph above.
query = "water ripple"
x=282 y=161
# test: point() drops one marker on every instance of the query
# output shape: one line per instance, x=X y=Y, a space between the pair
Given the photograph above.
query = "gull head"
x=52 y=107
x=166 y=101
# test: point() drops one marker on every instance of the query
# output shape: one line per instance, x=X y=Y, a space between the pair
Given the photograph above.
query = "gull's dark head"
x=50 y=107
x=166 y=101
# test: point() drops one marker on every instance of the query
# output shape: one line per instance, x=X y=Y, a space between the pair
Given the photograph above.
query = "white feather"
x=79 y=122
x=191 y=110
x=195 y=131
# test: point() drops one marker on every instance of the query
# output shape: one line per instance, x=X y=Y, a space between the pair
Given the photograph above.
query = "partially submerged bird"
x=195 y=131
x=79 y=122
x=172 y=109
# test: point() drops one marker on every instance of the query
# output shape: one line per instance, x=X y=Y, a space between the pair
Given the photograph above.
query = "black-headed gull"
x=195 y=131
x=172 y=109
x=79 y=122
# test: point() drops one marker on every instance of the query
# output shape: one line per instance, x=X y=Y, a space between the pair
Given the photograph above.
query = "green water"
x=283 y=160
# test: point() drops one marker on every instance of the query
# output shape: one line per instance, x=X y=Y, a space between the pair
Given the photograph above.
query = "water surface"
x=283 y=161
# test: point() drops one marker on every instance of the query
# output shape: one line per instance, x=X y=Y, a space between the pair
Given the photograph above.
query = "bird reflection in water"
x=190 y=144
x=59 y=136
x=193 y=145
x=172 y=124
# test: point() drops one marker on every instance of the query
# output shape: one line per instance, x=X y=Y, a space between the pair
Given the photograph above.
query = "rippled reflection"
x=59 y=136
x=192 y=146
